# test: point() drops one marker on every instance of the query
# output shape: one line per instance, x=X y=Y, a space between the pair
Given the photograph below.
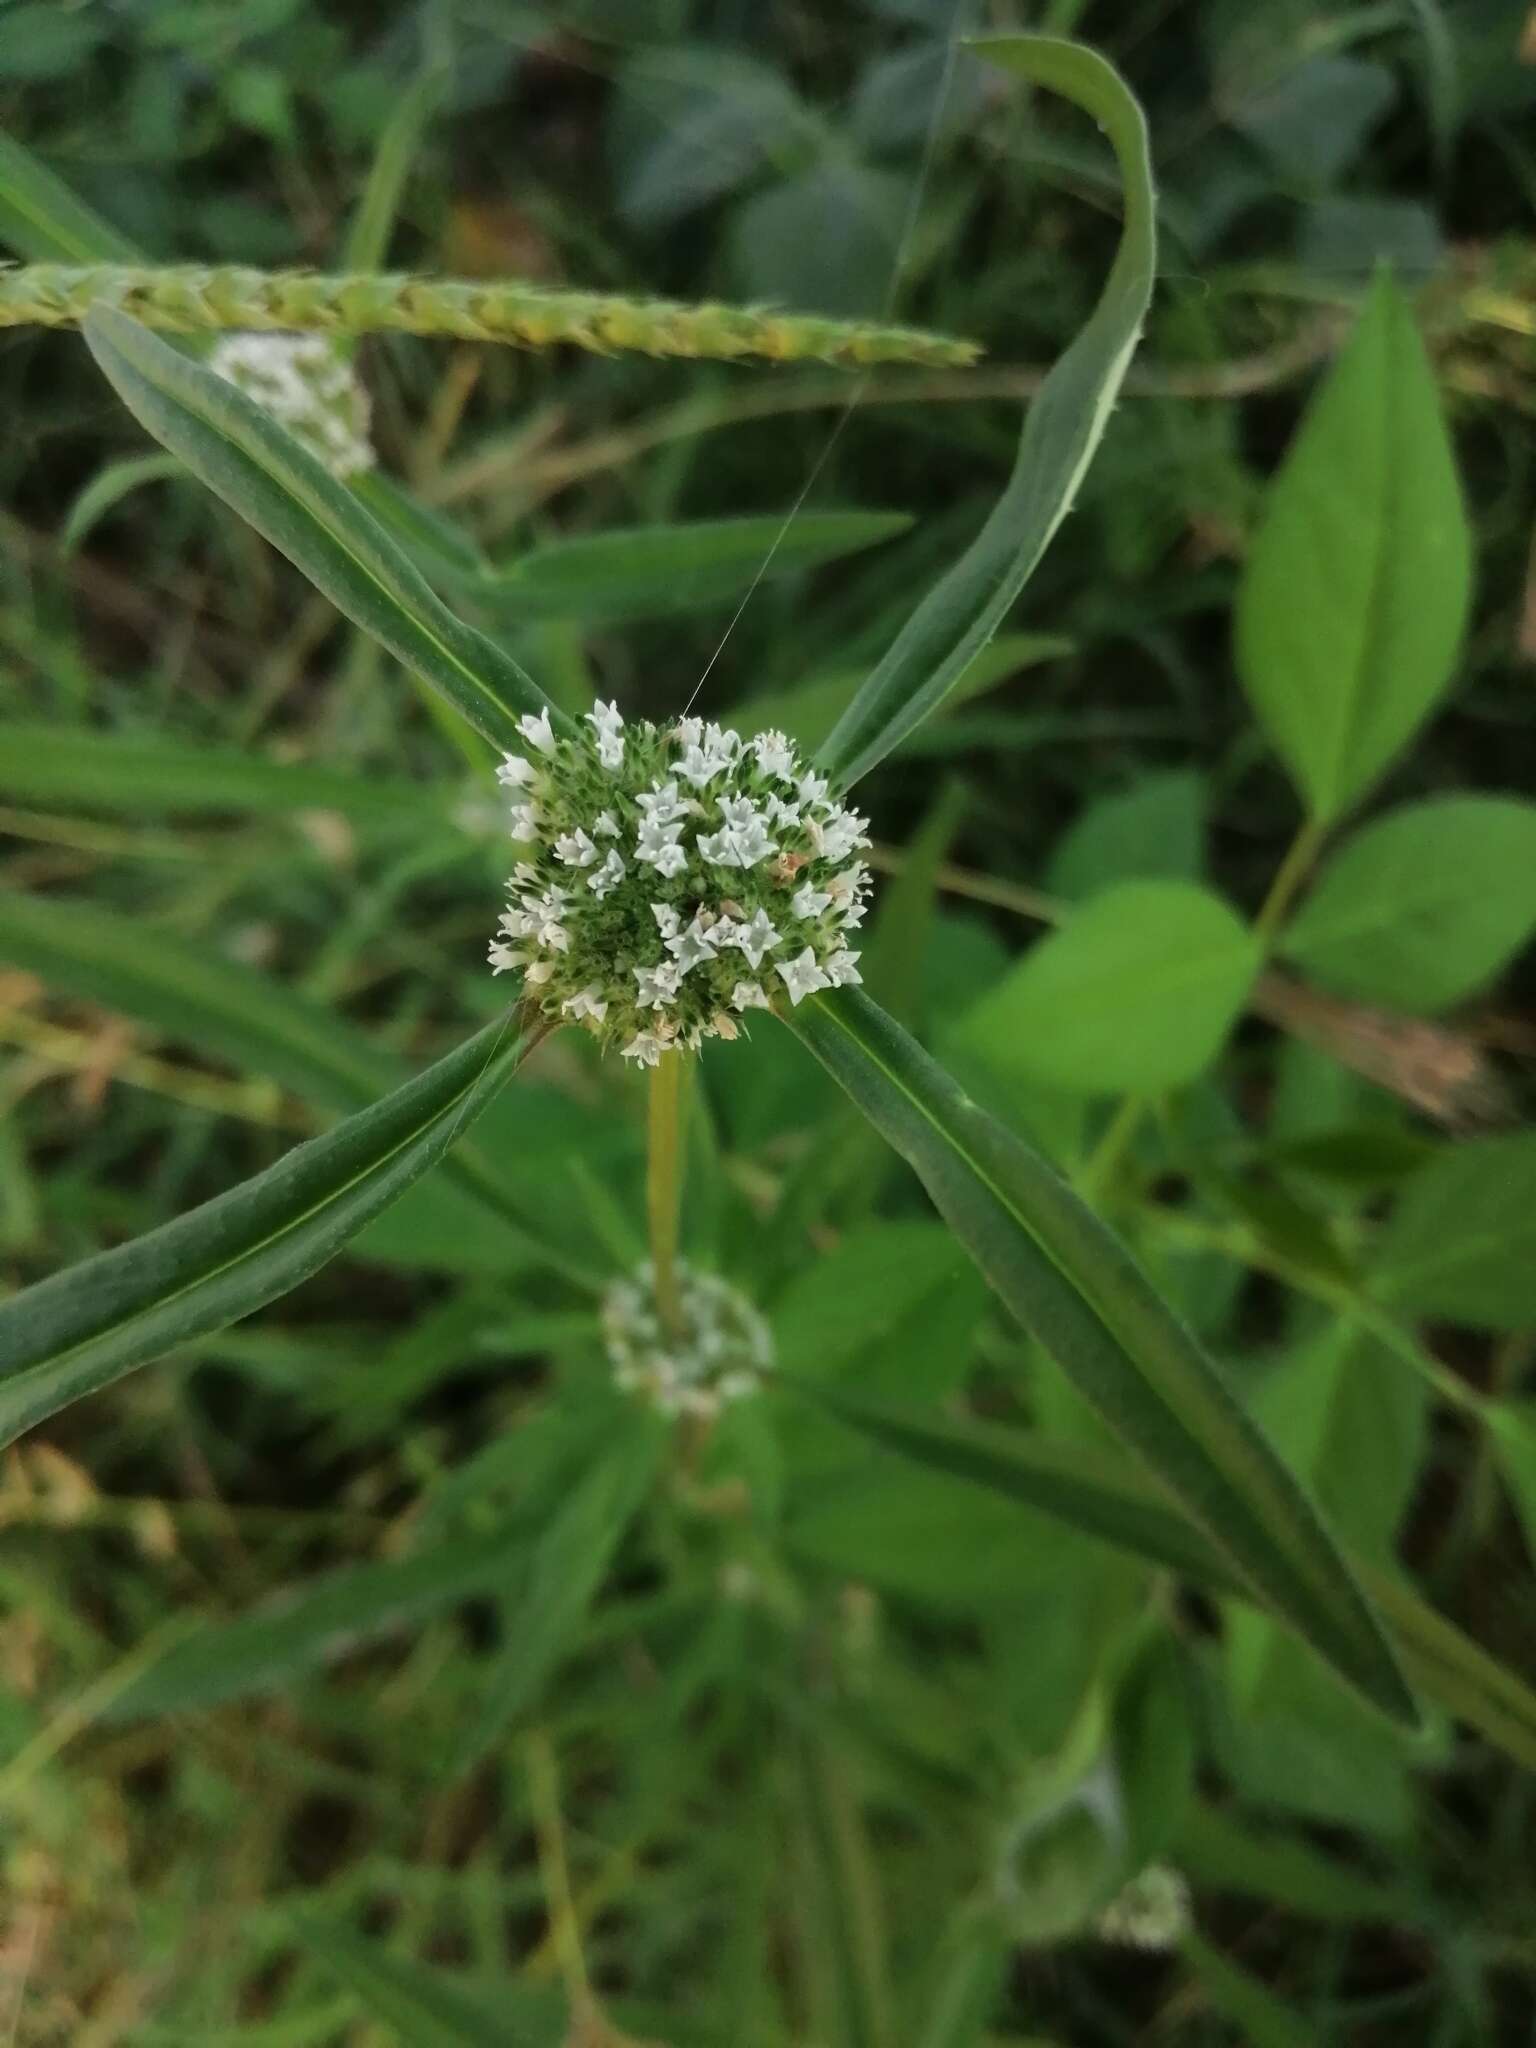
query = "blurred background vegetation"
x=750 y=1778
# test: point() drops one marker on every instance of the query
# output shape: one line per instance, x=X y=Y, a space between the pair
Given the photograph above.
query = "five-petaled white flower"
x=803 y=976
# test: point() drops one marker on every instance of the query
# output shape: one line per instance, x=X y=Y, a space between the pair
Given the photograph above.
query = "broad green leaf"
x=423 y=2006
x=1354 y=599
x=1135 y=993
x=1462 y=1240
x=1101 y=1493
x=247 y=459
x=1062 y=428
x=147 y=775
x=90 y=1324
x=312 y=1625
x=1423 y=906
x=568 y=1567
x=647 y=572
x=41 y=219
x=1076 y=1289
x=1152 y=831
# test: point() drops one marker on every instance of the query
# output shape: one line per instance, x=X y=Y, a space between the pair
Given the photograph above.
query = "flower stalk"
x=664 y=1183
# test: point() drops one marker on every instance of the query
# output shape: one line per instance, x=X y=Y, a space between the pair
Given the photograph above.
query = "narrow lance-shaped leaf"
x=90 y=1324
x=257 y=467
x=1072 y=1284
x=1062 y=429
x=1095 y=1490
x=42 y=219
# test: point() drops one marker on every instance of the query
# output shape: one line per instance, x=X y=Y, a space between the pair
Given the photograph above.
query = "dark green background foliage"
x=373 y=1671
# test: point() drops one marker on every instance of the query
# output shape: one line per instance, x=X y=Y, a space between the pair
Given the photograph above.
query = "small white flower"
x=608 y=876
x=523 y=822
x=668 y=858
x=655 y=839
x=778 y=812
x=610 y=750
x=699 y=767
x=645 y=1049
x=658 y=985
x=538 y=732
x=575 y=849
x=724 y=1026
x=748 y=995
x=775 y=756
x=802 y=976
x=811 y=787
x=555 y=936
x=757 y=937
x=526 y=875
x=502 y=957
x=843 y=968
x=516 y=922
x=605 y=719
x=853 y=916
x=691 y=947
x=844 y=830
x=809 y=901
x=587 y=1002
x=668 y=923
x=538 y=971
x=606 y=825
x=688 y=731
x=847 y=882
x=515 y=772
x=661 y=804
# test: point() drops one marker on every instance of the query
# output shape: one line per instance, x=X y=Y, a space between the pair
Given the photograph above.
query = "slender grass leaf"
x=1062 y=429
x=1097 y=1491
x=647 y=572
x=90 y=1324
x=1072 y=1284
x=234 y=1013
x=1355 y=595
x=41 y=219
x=246 y=458
x=312 y=1625
x=1170 y=953
x=109 y=487
x=373 y=225
x=426 y=2007
x=144 y=775
x=1218 y=1851
x=1423 y=906
x=568 y=1566
x=1262 y=2021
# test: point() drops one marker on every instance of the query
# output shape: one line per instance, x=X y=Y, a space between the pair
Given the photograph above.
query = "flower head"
x=719 y=1356
x=669 y=885
x=307 y=386
x=1151 y=1912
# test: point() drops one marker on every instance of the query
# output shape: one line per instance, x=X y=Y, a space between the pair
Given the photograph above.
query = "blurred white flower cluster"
x=719 y=1355
x=677 y=878
x=1152 y=1911
x=307 y=386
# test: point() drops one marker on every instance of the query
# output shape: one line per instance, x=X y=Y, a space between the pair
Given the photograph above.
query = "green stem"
x=664 y=1182
x=1098 y=1170
x=1290 y=875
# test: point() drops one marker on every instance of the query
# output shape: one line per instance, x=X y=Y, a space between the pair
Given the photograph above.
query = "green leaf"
x=1262 y=2021
x=1424 y=905
x=144 y=775
x=234 y=1013
x=1134 y=994
x=312 y=1625
x=1101 y=1493
x=648 y=572
x=1512 y=1432
x=1353 y=603
x=1460 y=1243
x=1219 y=1852
x=1150 y=832
x=107 y=488
x=1076 y=1289
x=90 y=1324
x=808 y=711
x=373 y=225
x=247 y=459
x=41 y=219
x=1062 y=428
x=426 y=2007
x=569 y=1565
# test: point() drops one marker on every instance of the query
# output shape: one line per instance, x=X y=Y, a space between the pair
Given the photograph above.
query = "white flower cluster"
x=307 y=387
x=1152 y=1911
x=720 y=1355
x=677 y=877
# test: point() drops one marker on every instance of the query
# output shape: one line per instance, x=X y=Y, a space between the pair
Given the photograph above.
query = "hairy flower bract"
x=719 y=1355
x=676 y=878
